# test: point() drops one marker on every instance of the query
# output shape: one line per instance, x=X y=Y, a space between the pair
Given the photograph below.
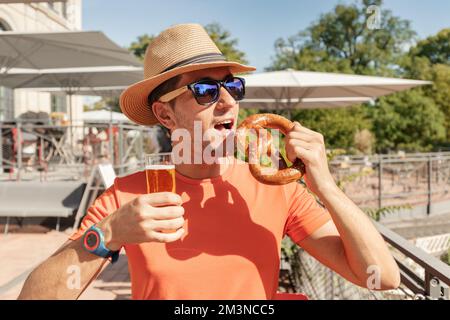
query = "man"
x=228 y=225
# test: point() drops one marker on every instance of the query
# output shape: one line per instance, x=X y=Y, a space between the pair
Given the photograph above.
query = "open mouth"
x=224 y=125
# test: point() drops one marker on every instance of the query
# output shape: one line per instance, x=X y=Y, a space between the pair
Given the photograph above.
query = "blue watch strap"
x=100 y=249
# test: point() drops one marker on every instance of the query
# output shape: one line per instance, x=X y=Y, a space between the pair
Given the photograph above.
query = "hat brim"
x=134 y=99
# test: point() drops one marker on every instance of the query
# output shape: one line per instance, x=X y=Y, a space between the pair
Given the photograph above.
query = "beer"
x=160 y=178
x=160 y=175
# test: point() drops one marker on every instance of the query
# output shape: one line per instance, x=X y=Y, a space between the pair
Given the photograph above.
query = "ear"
x=165 y=114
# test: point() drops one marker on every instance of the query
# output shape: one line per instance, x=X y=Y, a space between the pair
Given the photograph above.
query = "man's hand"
x=309 y=146
x=147 y=218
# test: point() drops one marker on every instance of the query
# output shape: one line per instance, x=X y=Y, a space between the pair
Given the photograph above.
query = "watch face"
x=91 y=240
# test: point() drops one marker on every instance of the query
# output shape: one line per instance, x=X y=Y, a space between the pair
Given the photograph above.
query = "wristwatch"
x=94 y=242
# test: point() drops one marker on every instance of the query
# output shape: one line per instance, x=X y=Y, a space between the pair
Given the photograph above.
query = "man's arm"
x=350 y=244
x=54 y=278
x=147 y=218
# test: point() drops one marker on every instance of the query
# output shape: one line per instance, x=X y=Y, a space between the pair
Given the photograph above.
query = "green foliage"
x=340 y=41
x=419 y=65
x=353 y=176
x=226 y=44
x=221 y=37
x=337 y=125
x=98 y=105
x=435 y=48
x=446 y=257
x=139 y=46
x=408 y=121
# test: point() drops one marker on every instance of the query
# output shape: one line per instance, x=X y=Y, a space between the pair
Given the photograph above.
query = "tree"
x=226 y=44
x=335 y=125
x=409 y=121
x=221 y=37
x=430 y=60
x=139 y=46
x=435 y=48
x=340 y=41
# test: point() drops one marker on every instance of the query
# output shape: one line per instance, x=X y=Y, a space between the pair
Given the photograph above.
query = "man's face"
x=217 y=120
x=187 y=110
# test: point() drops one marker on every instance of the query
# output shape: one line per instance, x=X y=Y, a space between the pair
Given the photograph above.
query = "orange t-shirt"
x=231 y=247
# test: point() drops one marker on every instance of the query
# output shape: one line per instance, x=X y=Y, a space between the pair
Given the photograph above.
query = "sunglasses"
x=207 y=91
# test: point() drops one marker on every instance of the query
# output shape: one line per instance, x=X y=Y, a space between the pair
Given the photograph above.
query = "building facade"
x=38 y=17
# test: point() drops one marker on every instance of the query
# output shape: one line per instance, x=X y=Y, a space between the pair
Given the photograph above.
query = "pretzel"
x=285 y=174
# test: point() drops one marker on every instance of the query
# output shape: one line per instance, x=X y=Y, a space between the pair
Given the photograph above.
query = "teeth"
x=224 y=122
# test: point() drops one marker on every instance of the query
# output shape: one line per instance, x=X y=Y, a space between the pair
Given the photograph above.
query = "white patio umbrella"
x=64 y=49
x=82 y=81
x=99 y=116
x=303 y=103
x=290 y=89
x=71 y=79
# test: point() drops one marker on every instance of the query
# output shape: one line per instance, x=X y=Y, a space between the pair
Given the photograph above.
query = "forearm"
x=65 y=275
x=363 y=247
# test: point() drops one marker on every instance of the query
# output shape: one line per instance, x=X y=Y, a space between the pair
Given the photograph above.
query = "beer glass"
x=159 y=172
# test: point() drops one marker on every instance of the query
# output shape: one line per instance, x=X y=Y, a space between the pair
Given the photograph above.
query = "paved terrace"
x=21 y=252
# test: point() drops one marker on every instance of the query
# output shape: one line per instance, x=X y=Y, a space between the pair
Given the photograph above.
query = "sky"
x=255 y=23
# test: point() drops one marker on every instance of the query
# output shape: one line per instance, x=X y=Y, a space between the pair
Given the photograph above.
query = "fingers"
x=300 y=136
x=312 y=135
x=160 y=199
x=172 y=224
x=167 y=237
x=303 y=153
x=301 y=143
x=164 y=213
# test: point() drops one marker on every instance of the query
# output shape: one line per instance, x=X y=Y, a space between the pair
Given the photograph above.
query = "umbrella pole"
x=70 y=123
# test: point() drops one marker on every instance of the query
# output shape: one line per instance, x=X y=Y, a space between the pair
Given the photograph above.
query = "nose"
x=225 y=100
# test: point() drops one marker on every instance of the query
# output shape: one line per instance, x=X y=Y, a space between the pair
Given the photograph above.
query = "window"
x=6 y=104
x=58 y=103
x=6 y=94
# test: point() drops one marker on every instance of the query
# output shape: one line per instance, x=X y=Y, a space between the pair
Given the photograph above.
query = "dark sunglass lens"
x=236 y=88
x=205 y=92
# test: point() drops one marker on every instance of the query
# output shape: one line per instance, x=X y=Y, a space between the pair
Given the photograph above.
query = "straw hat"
x=179 y=49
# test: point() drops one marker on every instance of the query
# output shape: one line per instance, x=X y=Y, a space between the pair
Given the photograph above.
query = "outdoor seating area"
x=45 y=151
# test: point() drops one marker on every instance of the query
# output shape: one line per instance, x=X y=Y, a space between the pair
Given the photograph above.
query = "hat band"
x=207 y=57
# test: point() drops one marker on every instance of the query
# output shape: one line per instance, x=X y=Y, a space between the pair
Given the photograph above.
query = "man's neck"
x=203 y=171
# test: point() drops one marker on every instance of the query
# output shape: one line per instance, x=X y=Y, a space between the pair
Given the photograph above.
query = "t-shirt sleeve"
x=305 y=214
x=102 y=207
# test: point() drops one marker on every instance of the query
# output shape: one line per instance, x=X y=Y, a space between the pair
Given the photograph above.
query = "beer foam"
x=160 y=167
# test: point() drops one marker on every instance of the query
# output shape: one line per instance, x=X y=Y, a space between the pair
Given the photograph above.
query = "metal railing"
x=73 y=150
x=433 y=280
x=392 y=180
x=423 y=276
